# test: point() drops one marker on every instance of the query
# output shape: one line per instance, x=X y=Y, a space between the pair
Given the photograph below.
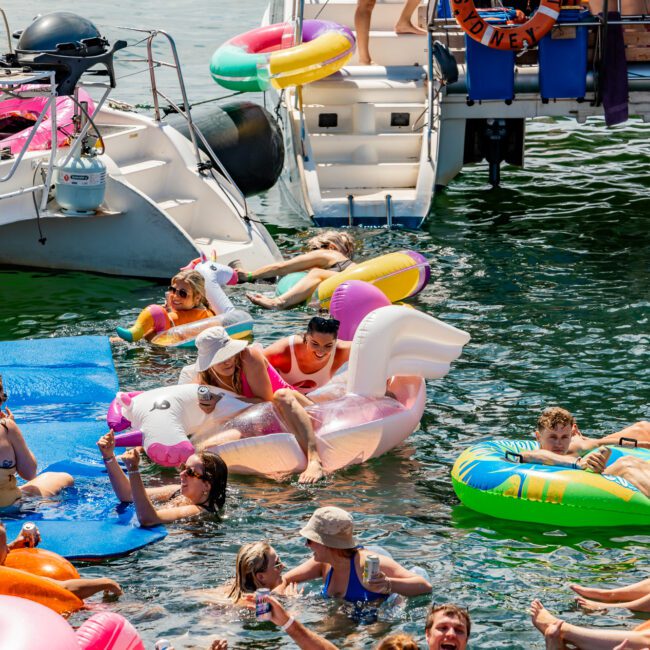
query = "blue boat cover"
x=59 y=391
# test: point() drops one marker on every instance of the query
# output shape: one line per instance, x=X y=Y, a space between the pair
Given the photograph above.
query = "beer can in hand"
x=371 y=568
x=262 y=605
x=204 y=395
x=30 y=534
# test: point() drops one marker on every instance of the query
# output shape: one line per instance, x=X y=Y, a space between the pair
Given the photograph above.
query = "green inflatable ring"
x=488 y=478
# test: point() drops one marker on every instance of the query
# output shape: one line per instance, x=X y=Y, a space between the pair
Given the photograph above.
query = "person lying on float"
x=555 y=434
x=226 y=363
x=202 y=489
x=310 y=360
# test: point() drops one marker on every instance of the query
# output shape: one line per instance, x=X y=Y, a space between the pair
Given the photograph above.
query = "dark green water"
x=550 y=275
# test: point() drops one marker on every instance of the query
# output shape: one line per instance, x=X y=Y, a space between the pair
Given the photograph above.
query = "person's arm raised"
x=118 y=478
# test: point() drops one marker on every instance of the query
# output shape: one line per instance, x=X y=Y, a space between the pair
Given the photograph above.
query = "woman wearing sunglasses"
x=235 y=366
x=202 y=487
x=309 y=361
x=185 y=302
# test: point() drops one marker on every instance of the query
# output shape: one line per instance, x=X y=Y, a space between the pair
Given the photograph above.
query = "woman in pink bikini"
x=309 y=361
x=234 y=366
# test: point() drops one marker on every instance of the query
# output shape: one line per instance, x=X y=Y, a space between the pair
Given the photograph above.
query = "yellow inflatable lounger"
x=399 y=275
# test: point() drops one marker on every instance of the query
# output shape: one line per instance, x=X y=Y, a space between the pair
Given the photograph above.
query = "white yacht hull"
x=159 y=211
x=356 y=145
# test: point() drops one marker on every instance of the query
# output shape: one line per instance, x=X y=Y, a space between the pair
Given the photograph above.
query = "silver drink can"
x=204 y=395
x=29 y=531
x=371 y=568
x=262 y=605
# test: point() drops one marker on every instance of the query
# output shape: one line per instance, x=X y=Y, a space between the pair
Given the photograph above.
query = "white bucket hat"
x=215 y=346
x=331 y=526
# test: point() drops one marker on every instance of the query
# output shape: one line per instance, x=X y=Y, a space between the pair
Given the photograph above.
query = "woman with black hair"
x=204 y=477
x=309 y=361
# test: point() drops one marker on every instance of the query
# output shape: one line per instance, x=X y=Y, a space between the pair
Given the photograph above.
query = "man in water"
x=559 y=441
x=447 y=627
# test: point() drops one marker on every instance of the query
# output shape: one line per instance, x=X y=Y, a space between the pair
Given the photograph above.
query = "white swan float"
x=355 y=419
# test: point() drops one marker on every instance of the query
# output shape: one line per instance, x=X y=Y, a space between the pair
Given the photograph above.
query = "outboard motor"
x=66 y=43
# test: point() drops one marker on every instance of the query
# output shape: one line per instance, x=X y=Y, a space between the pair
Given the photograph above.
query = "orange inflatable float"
x=41 y=563
x=14 y=582
x=511 y=37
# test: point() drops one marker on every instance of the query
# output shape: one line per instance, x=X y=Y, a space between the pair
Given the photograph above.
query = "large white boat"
x=357 y=151
x=369 y=145
x=166 y=202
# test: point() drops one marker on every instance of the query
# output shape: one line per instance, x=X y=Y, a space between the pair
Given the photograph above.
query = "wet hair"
x=215 y=472
x=554 y=417
x=399 y=641
x=341 y=241
x=197 y=284
x=323 y=326
x=251 y=559
x=449 y=609
x=209 y=376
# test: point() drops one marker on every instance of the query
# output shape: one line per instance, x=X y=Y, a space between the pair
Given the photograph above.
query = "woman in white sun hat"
x=243 y=370
x=338 y=560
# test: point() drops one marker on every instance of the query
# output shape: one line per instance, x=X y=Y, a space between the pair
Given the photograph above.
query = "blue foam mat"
x=59 y=391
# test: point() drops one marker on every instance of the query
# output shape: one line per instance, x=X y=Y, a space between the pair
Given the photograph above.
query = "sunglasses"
x=181 y=292
x=189 y=471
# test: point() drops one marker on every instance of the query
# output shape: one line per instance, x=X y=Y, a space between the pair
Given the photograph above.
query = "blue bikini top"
x=355 y=592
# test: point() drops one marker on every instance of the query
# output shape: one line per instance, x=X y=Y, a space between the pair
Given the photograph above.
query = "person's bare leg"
x=290 y=405
x=615 y=595
x=553 y=636
x=362 y=17
x=634 y=470
x=300 y=291
x=639 y=431
x=404 y=24
x=207 y=441
x=47 y=484
x=587 y=638
x=636 y=605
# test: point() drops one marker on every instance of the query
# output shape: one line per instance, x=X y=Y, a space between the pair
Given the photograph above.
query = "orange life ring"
x=506 y=38
x=14 y=582
x=41 y=563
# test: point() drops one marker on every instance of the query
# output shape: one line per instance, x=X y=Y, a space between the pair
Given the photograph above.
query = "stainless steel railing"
x=184 y=111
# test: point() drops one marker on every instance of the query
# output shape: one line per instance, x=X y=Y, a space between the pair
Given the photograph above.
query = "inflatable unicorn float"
x=155 y=318
x=365 y=411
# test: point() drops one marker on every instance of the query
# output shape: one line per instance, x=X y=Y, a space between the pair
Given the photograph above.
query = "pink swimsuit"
x=276 y=382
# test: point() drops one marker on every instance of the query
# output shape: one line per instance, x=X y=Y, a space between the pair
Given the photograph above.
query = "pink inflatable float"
x=27 y=625
x=30 y=109
x=352 y=301
x=355 y=418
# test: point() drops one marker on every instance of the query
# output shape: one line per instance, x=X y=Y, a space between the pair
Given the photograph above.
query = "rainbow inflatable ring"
x=266 y=56
x=488 y=478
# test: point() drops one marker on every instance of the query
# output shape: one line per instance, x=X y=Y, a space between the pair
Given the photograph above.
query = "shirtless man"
x=560 y=441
